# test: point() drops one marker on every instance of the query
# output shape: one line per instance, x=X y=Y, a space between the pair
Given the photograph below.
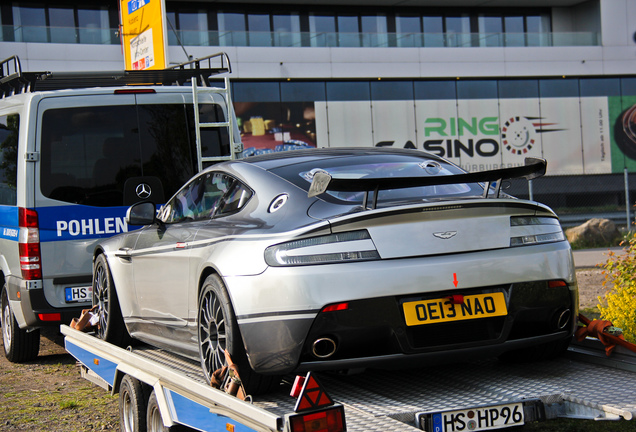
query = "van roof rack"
x=14 y=81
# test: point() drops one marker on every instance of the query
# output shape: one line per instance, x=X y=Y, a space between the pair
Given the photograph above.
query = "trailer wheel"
x=218 y=331
x=132 y=405
x=154 y=421
x=19 y=345
x=111 y=325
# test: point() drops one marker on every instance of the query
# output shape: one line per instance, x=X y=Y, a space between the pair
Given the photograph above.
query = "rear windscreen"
x=383 y=166
x=89 y=153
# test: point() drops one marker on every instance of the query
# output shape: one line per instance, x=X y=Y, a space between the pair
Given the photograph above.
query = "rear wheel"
x=111 y=325
x=20 y=345
x=218 y=331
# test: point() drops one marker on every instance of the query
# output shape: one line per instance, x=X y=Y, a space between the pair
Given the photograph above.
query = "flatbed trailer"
x=474 y=395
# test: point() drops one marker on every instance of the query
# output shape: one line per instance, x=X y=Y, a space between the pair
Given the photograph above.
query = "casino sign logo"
x=518 y=133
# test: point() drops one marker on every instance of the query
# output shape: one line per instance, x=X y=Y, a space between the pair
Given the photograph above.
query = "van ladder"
x=224 y=91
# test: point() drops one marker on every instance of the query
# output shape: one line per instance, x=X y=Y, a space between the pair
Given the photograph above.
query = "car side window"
x=235 y=198
x=209 y=195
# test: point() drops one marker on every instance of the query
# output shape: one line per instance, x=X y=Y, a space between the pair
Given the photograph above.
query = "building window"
x=260 y=33
x=457 y=31
x=94 y=26
x=433 y=31
x=286 y=30
x=30 y=23
x=294 y=26
x=374 y=31
x=322 y=30
x=408 y=31
x=232 y=29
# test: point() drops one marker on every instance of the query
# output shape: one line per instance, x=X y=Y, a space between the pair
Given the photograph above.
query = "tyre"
x=132 y=405
x=111 y=325
x=218 y=331
x=154 y=420
x=20 y=345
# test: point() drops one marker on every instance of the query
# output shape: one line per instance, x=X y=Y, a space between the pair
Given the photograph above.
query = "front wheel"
x=111 y=325
x=218 y=331
x=20 y=345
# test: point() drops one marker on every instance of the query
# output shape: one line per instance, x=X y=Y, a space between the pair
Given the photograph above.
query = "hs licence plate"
x=475 y=419
x=78 y=294
x=444 y=310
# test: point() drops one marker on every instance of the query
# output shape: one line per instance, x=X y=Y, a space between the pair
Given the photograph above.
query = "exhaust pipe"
x=564 y=319
x=323 y=347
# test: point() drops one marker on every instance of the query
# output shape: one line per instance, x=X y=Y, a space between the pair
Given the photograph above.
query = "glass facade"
x=210 y=24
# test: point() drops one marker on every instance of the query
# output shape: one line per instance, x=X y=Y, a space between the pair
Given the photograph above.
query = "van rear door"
x=98 y=153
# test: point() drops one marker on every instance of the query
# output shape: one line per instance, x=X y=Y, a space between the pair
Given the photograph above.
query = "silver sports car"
x=338 y=259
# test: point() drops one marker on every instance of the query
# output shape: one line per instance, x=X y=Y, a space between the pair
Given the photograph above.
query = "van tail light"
x=29 y=244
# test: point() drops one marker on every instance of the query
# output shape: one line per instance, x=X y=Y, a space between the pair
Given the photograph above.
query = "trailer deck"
x=583 y=384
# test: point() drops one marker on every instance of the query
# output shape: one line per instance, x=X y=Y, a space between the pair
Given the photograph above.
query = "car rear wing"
x=323 y=181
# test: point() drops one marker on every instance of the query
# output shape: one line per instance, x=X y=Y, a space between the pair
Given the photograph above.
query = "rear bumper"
x=431 y=358
x=31 y=309
x=277 y=309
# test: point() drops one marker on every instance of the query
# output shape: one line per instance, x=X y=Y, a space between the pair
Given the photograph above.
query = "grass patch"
x=69 y=404
x=591 y=313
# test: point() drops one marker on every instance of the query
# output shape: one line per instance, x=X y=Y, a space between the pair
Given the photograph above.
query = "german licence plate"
x=444 y=310
x=478 y=419
x=78 y=294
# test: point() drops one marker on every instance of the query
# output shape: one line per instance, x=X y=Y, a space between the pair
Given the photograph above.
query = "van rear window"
x=9 y=127
x=89 y=153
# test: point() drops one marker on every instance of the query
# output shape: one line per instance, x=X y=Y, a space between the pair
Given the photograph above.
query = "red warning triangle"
x=312 y=396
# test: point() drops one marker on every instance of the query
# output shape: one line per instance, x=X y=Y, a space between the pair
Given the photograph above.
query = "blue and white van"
x=76 y=150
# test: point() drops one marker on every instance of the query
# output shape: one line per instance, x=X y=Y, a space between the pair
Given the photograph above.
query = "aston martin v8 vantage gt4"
x=336 y=259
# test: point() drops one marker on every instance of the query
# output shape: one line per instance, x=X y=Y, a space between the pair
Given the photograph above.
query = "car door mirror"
x=143 y=213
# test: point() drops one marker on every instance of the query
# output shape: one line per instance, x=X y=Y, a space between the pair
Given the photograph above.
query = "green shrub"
x=619 y=304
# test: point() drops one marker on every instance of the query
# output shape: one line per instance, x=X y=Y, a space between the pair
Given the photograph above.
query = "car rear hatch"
x=452 y=227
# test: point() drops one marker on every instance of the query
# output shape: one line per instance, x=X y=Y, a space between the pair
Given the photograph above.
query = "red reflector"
x=50 y=317
x=134 y=91
x=330 y=420
x=556 y=283
x=297 y=387
x=336 y=307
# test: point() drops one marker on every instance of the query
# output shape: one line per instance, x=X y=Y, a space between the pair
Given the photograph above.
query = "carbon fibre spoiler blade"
x=323 y=181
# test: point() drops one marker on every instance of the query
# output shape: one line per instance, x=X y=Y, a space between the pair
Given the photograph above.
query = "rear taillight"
x=29 y=244
x=328 y=249
x=532 y=230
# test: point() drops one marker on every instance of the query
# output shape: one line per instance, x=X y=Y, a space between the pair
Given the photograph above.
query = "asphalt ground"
x=586 y=258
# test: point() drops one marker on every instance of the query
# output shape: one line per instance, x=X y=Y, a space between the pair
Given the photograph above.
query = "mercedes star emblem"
x=143 y=190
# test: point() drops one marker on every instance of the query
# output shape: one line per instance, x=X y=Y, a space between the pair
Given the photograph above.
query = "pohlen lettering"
x=84 y=227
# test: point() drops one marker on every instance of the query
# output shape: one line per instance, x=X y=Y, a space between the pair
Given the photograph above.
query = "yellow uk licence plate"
x=443 y=310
